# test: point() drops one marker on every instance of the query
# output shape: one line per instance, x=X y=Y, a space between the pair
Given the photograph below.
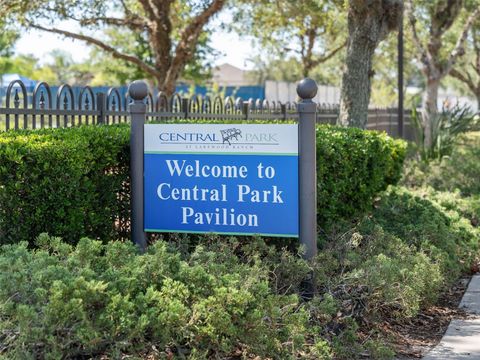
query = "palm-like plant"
x=447 y=126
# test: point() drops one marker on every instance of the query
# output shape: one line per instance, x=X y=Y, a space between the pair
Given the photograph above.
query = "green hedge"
x=68 y=182
x=353 y=166
x=74 y=182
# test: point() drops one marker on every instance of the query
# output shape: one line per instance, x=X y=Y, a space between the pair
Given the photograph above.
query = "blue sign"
x=226 y=179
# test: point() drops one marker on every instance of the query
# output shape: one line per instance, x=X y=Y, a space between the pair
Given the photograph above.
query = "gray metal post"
x=245 y=109
x=101 y=107
x=400 y=79
x=137 y=90
x=185 y=107
x=307 y=166
x=283 y=109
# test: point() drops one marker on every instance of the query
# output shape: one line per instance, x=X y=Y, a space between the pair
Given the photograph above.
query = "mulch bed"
x=412 y=338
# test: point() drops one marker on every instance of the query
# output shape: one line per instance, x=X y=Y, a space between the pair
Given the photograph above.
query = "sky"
x=235 y=50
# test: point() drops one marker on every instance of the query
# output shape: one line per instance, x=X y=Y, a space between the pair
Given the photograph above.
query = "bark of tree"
x=169 y=59
x=369 y=22
x=434 y=66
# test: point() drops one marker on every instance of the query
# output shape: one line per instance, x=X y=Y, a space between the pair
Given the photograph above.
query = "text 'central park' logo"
x=228 y=137
x=230 y=134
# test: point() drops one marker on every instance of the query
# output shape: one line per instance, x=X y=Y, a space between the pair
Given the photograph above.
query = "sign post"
x=137 y=90
x=307 y=174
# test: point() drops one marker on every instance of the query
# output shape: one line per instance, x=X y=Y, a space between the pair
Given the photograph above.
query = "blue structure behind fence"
x=243 y=92
x=24 y=107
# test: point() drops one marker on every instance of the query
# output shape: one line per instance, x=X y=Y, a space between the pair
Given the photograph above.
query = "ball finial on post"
x=307 y=89
x=138 y=90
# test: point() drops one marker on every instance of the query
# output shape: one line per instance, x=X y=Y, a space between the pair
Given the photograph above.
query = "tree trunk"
x=168 y=86
x=429 y=109
x=355 y=93
x=369 y=22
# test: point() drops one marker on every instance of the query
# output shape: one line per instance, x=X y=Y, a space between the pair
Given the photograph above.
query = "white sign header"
x=252 y=139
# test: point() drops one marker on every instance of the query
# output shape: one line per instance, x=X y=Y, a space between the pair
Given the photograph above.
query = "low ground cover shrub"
x=401 y=256
x=431 y=225
x=74 y=182
x=233 y=297
x=94 y=299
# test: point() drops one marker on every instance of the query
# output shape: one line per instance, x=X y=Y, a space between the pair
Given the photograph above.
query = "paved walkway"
x=462 y=338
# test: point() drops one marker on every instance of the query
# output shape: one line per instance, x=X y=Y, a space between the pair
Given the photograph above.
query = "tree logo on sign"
x=229 y=134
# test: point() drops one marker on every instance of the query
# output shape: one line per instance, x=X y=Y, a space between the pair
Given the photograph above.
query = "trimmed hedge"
x=353 y=166
x=74 y=182
x=68 y=182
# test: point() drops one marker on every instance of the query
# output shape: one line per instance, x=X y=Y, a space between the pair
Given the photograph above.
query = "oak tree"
x=170 y=29
x=369 y=23
x=310 y=30
x=430 y=21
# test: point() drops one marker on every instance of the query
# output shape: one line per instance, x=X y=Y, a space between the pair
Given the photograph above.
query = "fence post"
x=307 y=168
x=283 y=109
x=137 y=90
x=101 y=107
x=245 y=109
x=185 y=107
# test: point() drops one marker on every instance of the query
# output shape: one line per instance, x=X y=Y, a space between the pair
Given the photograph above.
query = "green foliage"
x=129 y=35
x=62 y=301
x=61 y=69
x=305 y=33
x=64 y=181
x=437 y=229
x=353 y=166
x=74 y=182
x=446 y=128
x=227 y=296
x=466 y=73
x=392 y=263
x=8 y=37
x=459 y=171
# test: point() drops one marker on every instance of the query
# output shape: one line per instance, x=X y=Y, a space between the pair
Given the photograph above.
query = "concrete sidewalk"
x=462 y=338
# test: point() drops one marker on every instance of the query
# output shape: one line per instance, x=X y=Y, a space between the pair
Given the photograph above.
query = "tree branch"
x=109 y=49
x=134 y=23
x=189 y=38
x=328 y=56
x=466 y=79
x=476 y=47
x=459 y=50
x=425 y=56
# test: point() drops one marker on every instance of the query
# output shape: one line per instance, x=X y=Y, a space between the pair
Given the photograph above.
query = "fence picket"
x=110 y=107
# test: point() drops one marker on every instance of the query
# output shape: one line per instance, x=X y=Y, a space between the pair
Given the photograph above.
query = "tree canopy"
x=468 y=69
x=310 y=30
x=161 y=38
x=439 y=32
